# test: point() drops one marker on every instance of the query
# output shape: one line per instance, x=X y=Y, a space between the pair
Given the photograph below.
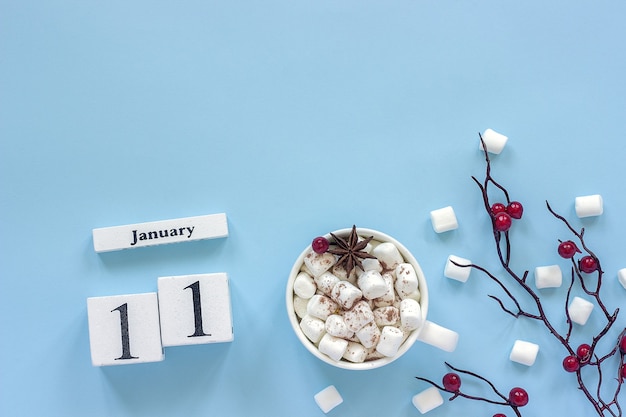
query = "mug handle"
x=438 y=336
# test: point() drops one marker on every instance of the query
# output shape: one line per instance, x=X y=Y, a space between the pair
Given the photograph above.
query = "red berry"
x=451 y=382
x=503 y=222
x=584 y=353
x=588 y=264
x=518 y=397
x=499 y=415
x=498 y=208
x=622 y=344
x=320 y=244
x=515 y=209
x=571 y=364
x=568 y=249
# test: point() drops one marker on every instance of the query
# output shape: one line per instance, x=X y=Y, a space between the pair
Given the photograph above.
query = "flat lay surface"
x=296 y=119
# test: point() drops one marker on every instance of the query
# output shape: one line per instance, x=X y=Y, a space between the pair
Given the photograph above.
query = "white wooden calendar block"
x=137 y=235
x=195 y=309
x=124 y=329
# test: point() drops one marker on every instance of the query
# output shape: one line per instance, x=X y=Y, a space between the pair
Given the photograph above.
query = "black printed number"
x=123 y=309
x=197 y=310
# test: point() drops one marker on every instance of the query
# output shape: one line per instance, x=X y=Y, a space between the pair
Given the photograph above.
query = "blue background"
x=295 y=118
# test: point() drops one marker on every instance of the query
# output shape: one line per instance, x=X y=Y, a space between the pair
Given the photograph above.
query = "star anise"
x=351 y=251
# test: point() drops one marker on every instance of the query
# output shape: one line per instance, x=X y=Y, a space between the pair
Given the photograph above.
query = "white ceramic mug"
x=428 y=332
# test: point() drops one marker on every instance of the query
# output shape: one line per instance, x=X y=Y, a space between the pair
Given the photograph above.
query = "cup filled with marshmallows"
x=357 y=299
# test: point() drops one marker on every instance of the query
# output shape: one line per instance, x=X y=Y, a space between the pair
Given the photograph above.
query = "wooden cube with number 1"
x=124 y=329
x=195 y=309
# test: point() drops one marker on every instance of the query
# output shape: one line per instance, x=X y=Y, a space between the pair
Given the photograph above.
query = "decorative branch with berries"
x=583 y=271
x=451 y=382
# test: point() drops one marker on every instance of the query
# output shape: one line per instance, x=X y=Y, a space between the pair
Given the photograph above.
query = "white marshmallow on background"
x=336 y=326
x=589 y=205
x=459 y=273
x=369 y=335
x=524 y=352
x=355 y=352
x=406 y=279
x=372 y=284
x=358 y=316
x=494 y=141
x=548 y=276
x=438 y=336
x=580 y=310
x=317 y=263
x=325 y=282
x=333 y=347
x=345 y=294
x=388 y=255
x=444 y=219
x=321 y=306
x=313 y=328
x=390 y=340
x=304 y=286
x=427 y=400
x=410 y=314
x=328 y=398
x=386 y=316
x=621 y=276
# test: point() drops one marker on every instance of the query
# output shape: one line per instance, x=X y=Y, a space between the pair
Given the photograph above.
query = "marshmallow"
x=355 y=352
x=345 y=294
x=328 y=398
x=312 y=327
x=548 y=276
x=388 y=255
x=299 y=306
x=621 y=276
x=427 y=400
x=304 y=286
x=388 y=298
x=580 y=310
x=318 y=263
x=438 y=336
x=371 y=265
x=339 y=271
x=386 y=316
x=444 y=219
x=369 y=335
x=410 y=314
x=336 y=326
x=390 y=340
x=372 y=284
x=406 y=280
x=373 y=354
x=589 y=205
x=358 y=316
x=325 y=282
x=333 y=347
x=321 y=306
x=415 y=295
x=524 y=352
x=494 y=141
x=459 y=273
